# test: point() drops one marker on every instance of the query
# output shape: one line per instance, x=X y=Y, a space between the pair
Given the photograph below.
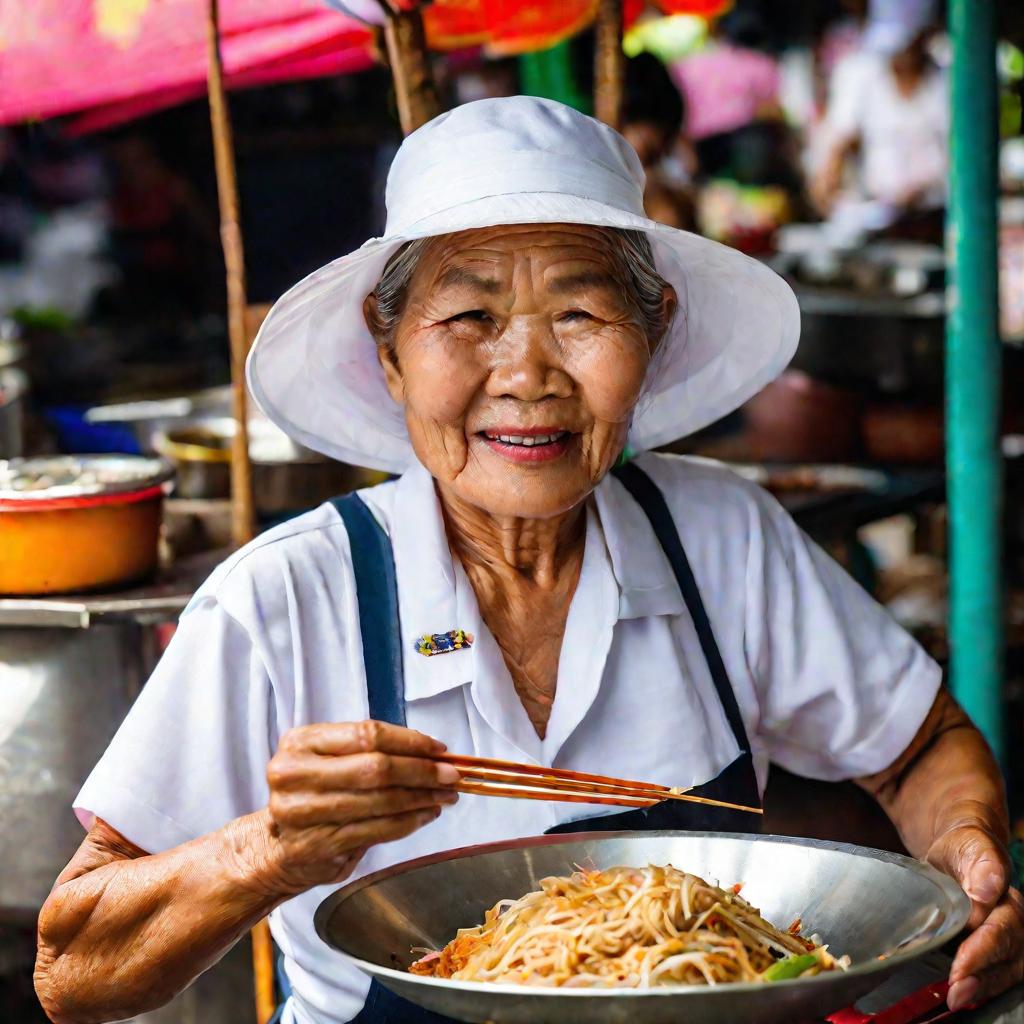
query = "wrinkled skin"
x=124 y=931
x=519 y=327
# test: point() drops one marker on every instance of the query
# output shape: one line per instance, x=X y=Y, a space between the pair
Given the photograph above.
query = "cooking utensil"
x=488 y=776
x=881 y=909
x=72 y=523
x=145 y=418
x=286 y=476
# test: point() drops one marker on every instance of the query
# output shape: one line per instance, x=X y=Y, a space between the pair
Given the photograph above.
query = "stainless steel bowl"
x=879 y=908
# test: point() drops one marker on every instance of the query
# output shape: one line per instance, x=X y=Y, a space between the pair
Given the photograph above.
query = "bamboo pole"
x=263 y=971
x=609 y=62
x=243 y=520
x=406 y=43
x=973 y=376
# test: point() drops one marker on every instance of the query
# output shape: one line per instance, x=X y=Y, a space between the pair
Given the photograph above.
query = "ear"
x=385 y=353
x=392 y=374
x=669 y=303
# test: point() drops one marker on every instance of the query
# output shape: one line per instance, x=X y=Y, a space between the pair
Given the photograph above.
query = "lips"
x=527 y=444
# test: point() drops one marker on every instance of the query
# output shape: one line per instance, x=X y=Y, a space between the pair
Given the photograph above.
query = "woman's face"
x=518 y=359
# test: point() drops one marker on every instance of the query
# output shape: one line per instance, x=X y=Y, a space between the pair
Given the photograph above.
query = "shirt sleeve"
x=192 y=752
x=842 y=688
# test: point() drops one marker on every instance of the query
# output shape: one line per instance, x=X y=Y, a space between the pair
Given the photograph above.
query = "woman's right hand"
x=338 y=788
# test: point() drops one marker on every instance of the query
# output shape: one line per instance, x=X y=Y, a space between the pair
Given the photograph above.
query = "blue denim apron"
x=377 y=596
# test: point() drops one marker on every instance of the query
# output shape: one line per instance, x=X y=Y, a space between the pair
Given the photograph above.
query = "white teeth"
x=524 y=441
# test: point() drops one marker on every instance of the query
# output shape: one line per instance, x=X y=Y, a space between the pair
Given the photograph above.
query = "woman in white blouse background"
x=519 y=325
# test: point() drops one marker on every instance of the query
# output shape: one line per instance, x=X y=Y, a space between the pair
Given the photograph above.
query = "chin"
x=536 y=499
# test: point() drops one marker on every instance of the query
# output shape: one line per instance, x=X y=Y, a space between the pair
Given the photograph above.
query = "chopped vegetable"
x=791 y=967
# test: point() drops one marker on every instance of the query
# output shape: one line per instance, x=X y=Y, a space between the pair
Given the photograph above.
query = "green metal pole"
x=973 y=458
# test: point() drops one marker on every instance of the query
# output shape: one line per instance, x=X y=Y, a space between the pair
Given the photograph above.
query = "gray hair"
x=631 y=252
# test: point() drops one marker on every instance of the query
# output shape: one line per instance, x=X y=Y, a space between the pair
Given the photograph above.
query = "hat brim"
x=314 y=369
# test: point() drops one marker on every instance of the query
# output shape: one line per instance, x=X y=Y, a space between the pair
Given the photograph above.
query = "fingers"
x=292 y=772
x=998 y=940
x=305 y=810
x=387 y=830
x=987 y=985
x=334 y=738
x=963 y=993
x=978 y=860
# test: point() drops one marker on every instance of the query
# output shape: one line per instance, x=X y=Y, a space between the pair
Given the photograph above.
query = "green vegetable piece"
x=791 y=967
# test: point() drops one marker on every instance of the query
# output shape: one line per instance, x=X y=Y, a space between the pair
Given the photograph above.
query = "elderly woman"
x=510 y=595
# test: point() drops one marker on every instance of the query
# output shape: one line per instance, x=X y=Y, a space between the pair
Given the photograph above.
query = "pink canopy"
x=118 y=59
x=110 y=60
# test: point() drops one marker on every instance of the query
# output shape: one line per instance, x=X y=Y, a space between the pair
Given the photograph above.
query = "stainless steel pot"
x=149 y=417
x=286 y=477
x=63 y=693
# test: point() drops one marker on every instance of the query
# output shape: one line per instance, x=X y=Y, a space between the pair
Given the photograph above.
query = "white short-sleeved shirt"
x=828 y=685
x=904 y=139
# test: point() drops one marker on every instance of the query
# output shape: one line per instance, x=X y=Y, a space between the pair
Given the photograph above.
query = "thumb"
x=978 y=860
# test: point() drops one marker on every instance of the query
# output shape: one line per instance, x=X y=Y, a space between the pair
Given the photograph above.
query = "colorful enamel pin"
x=442 y=643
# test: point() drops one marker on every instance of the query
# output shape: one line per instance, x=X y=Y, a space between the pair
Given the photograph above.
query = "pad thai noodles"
x=627 y=928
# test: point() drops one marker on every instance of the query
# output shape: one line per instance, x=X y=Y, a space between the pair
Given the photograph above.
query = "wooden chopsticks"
x=490 y=777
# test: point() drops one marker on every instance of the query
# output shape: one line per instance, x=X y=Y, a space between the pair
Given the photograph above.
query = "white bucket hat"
x=314 y=370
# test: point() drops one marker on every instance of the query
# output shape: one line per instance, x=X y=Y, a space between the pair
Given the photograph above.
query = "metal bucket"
x=63 y=693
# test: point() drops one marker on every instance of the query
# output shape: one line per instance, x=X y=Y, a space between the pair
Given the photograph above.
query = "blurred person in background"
x=746 y=164
x=652 y=120
x=889 y=105
x=730 y=88
x=841 y=39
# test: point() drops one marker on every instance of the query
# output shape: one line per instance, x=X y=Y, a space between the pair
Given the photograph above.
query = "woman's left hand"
x=991 y=959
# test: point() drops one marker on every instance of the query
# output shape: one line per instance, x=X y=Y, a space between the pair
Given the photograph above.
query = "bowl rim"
x=955 y=920
x=142 y=478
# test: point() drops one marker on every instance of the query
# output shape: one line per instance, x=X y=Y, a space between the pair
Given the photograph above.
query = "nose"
x=528 y=363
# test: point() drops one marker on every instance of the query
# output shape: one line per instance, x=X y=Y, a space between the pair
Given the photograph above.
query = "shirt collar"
x=434 y=594
x=647 y=584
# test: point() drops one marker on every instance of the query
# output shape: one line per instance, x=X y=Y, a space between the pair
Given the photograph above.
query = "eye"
x=475 y=316
x=574 y=316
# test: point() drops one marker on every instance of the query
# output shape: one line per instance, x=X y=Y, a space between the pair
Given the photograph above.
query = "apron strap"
x=649 y=497
x=377 y=593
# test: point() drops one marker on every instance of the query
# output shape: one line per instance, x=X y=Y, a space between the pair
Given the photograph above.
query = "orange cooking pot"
x=83 y=522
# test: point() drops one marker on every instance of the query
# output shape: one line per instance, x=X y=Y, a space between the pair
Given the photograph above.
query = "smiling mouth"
x=527 y=440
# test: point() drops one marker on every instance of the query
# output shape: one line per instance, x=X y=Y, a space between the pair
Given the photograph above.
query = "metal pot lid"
x=55 y=477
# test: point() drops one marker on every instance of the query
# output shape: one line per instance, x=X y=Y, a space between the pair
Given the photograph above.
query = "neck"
x=537 y=550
